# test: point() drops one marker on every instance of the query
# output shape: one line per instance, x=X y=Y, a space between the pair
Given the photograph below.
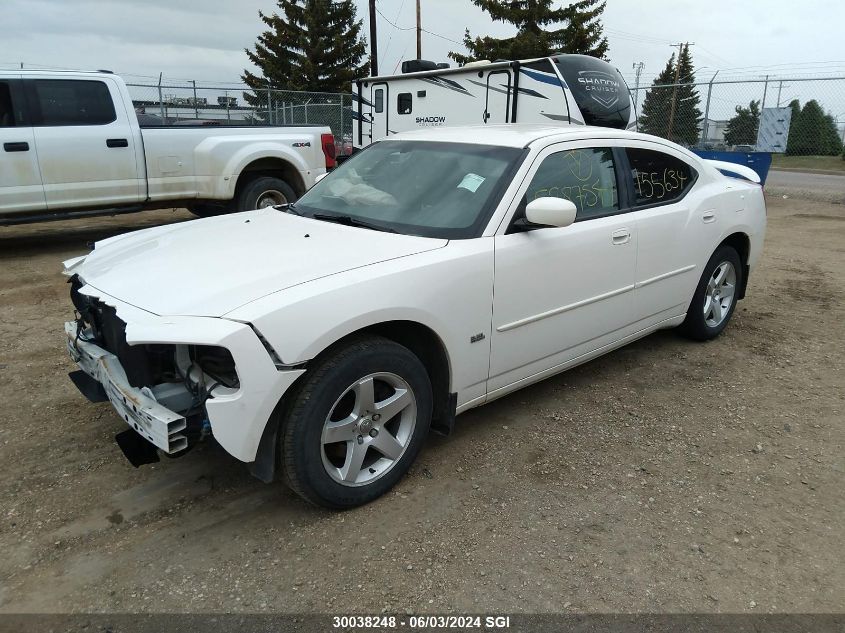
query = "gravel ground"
x=667 y=476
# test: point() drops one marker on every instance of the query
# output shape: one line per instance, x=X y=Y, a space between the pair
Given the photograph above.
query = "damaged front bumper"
x=141 y=411
x=164 y=413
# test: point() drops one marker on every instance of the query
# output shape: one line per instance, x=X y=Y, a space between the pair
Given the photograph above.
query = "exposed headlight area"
x=181 y=378
x=215 y=363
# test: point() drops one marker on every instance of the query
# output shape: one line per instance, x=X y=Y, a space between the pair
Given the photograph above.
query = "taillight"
x=329 y=150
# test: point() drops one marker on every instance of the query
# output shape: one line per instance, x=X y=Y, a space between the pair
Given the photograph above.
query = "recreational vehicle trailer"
x=568 y=89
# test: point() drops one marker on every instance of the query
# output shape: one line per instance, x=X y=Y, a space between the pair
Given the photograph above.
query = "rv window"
x=379 y=100
x=404 y=103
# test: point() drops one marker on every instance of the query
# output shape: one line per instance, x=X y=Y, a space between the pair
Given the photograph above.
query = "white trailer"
x=567 y=89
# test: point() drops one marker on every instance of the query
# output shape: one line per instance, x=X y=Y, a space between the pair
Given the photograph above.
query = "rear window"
x=658 y=177
x=8 y=116
x=60 y=102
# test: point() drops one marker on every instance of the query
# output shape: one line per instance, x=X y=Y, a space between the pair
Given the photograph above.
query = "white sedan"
x=431 y=273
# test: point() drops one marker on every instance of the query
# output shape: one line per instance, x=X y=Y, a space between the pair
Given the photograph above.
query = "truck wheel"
x=715 y=297
x=264 y=191
x=356 y=423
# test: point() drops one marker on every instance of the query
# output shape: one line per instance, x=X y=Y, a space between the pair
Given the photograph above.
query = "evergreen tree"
x=309 y=45
x=687 y=113
x=814 y=134
x=654 y=113
x=581 y=31
x=742 y=128
x=792 y=139
x=656 y=110
x=830 y=136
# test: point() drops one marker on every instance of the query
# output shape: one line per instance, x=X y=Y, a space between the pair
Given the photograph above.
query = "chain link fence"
x=701 y=115
x=190 y=104
x=794 y=116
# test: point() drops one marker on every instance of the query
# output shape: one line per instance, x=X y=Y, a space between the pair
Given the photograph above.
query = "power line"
x=442 y=37
x=414 y=28
x=390 y=37
x=395 y=26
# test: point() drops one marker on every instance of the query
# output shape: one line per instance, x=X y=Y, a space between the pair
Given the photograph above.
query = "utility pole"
x=373 y=41
x=681 y=47
x=419 y=32
x=638 y=67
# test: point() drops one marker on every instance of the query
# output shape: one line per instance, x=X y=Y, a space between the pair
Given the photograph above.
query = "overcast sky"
x=204 y=39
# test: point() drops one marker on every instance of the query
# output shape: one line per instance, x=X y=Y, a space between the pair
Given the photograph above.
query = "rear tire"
x=356 y=423
x=715 y=297
x=264 y=191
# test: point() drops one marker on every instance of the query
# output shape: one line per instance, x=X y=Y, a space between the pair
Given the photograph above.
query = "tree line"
x=318 y=45
x=812 y=131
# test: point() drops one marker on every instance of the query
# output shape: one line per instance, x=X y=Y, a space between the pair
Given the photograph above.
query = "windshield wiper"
x=289 y=208
x=348 y=220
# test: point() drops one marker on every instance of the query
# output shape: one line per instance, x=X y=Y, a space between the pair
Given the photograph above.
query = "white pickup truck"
x=72 y=146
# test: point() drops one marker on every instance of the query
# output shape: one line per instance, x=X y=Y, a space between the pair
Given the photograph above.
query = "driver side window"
x=587 y=177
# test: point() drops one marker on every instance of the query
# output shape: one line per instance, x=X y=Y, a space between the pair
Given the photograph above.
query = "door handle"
x=16 y=147
x=117 y=142
x=622 y=236
x=708 y=217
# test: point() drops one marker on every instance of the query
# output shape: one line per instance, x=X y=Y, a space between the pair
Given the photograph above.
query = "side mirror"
x=556 y=212
x=320 y=177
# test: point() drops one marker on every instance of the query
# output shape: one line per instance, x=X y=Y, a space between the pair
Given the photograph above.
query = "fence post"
x=706 y=126
x=341 y=116
x=228 y=114
x=269 y=104
x=196 y=107
x=765 y=92
x=161 y=101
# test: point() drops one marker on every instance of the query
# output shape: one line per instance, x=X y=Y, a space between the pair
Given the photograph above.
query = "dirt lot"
x=667 y=476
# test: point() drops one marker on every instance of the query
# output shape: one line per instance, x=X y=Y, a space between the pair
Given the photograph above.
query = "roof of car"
x=513 y=134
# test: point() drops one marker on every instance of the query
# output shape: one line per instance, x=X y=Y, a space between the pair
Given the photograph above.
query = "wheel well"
x=418 y=338
x=742 y=245
x=428 y=347
x=274 y=167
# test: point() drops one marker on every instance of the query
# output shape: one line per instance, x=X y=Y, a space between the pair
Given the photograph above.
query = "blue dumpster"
x=758 y=161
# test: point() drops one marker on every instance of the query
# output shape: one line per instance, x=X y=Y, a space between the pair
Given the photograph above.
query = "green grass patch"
x=827 y=163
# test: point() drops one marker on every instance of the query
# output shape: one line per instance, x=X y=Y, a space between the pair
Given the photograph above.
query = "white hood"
x=210 y=267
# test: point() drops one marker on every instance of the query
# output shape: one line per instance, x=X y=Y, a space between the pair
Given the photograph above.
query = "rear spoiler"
x=734 y=168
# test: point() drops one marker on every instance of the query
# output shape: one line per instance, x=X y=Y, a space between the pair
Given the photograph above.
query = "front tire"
x=715 y=297
x=356 y=423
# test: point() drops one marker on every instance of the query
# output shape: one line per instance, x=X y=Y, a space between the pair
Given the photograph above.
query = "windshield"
x=445 y=190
